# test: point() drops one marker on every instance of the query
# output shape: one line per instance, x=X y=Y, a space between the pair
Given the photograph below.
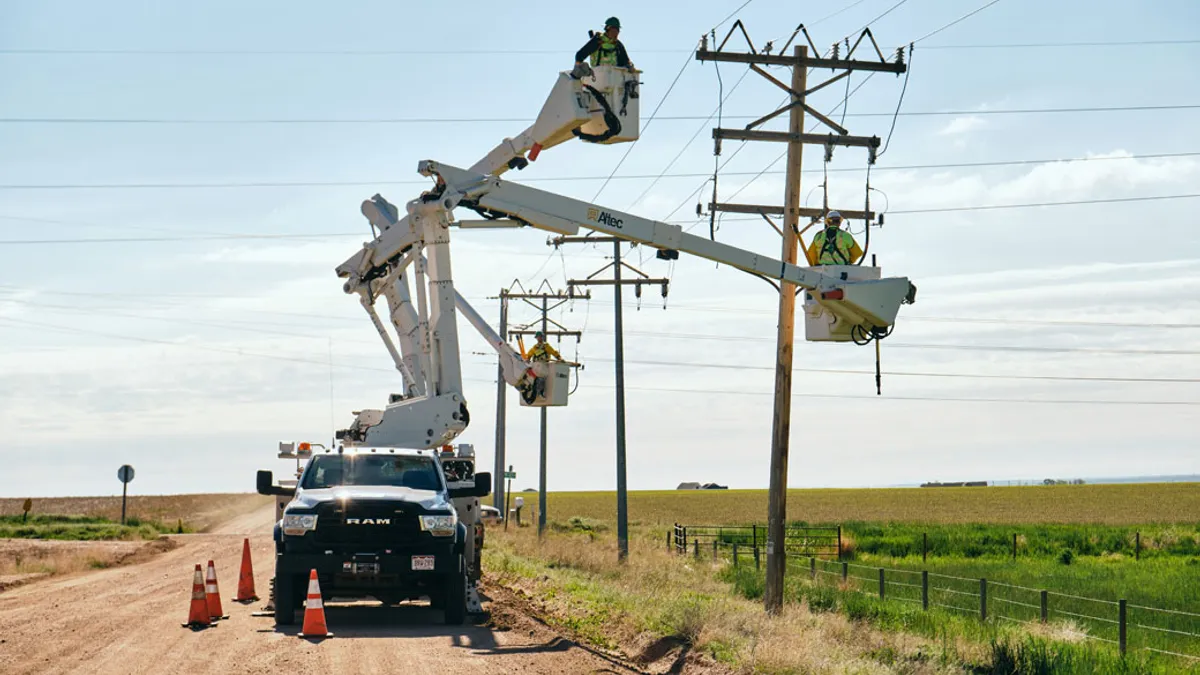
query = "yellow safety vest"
x=542 y=352
x=838 y=252
x=606 y=54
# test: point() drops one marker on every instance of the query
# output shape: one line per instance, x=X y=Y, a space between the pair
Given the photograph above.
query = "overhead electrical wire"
x=956 y=21
x=526 y=52
x=546 y=179
x=516 y=120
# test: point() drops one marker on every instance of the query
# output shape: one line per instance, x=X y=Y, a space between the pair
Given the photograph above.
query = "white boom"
x=841 y=301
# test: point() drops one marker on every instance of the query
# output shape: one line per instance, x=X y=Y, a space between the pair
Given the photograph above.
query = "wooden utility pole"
x=784 y=342
x=619 y=357
x=792 y=210
x=544 y=307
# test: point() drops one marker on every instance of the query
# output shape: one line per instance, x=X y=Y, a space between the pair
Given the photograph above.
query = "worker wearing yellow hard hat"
x=833 y=245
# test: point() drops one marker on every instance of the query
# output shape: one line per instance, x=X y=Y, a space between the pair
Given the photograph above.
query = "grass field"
x=83 y=528
x=1076 y=542
x=1130 y=504
x=198 y=512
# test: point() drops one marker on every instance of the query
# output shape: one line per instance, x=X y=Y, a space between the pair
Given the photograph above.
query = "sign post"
x=124 y=474
x=26 y=506
x=509 y=476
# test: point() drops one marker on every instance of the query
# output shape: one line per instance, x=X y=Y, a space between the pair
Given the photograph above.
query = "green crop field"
x=1088 y=546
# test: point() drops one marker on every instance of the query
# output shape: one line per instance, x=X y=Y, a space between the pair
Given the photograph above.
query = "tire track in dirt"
x=127 y=620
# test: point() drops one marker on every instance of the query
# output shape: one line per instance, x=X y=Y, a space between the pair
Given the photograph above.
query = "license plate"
x=422 y=562
x=366 y=568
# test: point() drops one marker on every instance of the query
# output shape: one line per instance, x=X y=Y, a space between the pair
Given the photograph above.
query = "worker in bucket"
x=542 y=352
x=833 y=245
x=604 y=49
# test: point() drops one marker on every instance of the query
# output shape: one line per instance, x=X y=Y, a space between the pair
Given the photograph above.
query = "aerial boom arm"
x=872 y=303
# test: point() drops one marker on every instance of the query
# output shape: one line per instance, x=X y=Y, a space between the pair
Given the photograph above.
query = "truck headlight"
x=439 y=526
x=298 y=524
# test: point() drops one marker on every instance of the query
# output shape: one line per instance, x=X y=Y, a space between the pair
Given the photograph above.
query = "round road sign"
x=125 y=473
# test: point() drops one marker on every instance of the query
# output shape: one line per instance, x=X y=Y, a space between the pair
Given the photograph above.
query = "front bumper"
x=368 y=573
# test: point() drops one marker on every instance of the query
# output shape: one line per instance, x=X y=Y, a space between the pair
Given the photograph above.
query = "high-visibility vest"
x=836 y=252
x=542 y=352
x=606 y=54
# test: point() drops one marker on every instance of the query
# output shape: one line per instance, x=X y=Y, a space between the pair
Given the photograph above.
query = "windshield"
x=418 y=473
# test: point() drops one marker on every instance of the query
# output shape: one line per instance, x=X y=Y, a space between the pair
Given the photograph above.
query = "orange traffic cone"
x=212 y=594
x=198 y=612
x=314 y=611
x=245 y=592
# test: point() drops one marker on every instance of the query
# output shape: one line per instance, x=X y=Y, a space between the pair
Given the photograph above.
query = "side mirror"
x=483 y=487
x=266 y=485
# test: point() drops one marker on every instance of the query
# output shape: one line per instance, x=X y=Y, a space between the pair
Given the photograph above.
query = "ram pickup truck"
x=376 y=523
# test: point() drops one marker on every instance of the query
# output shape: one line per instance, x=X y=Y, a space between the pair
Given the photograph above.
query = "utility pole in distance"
x=498 y=489
x=796 y=138
x=543 y=303
x=642 y=279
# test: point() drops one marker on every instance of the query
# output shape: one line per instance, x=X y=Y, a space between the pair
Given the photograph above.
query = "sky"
x=187 y=329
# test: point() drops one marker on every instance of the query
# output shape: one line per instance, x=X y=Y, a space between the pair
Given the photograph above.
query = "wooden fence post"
x=714 y=550
x=696 y=548
x=812 y=568
x=1014 y=547
x=925 y=590
x=881 y=583
x=1137 y=546
x=839 y=552
x=983 y=599
x=1045 y=606
x=735 y=556
x=845 y=572
x=1121 y=625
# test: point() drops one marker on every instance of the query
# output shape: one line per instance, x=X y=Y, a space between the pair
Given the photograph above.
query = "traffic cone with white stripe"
x=314 y=611
x=198 y=611
x=245 y=592
x=213 y=594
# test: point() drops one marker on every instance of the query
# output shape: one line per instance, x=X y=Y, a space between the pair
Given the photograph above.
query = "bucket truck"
x=842 y=303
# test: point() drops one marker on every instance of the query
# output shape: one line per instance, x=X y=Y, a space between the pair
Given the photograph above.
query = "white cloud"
x=962 y=125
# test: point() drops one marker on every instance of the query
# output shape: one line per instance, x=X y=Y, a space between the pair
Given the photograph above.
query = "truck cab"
x=378 y=523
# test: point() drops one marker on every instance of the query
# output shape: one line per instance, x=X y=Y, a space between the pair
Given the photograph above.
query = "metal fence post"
x=757 y=560
x=1014 y=547
x=881 y=583
x=839 y=542
x=754 y=536
x=685 y=540
x=1137 y=546
x=1121 y=626
x=924 y=547
x=845 y=571
x=812 y=568
x=735 y=557
x=925 y=590
x=1045 y=606
x=714 y=550
x=696 y=548
x=983 y=599
x=668 y=540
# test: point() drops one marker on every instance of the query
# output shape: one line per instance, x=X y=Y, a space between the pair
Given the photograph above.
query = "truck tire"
x=455 y=599
x=285 y=600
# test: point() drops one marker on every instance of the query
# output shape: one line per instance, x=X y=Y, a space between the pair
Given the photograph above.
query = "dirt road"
x=127 y=620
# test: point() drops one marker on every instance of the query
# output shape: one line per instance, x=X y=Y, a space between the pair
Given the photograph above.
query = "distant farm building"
x=701 y=486
x=970 y=483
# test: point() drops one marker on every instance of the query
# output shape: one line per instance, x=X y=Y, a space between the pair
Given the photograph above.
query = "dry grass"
x=22 y=560
x=576 y=583
x=197 y=511
x=1133 y=504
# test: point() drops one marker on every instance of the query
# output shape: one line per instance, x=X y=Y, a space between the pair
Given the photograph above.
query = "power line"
x=645 y=126
x=314 y=237
x=475 y=53
x=547 y=179
x=1054 y=378
x=956 y=21
x=517 y=120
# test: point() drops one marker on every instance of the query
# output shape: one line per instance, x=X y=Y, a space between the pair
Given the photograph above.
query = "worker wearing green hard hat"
x=604 y=48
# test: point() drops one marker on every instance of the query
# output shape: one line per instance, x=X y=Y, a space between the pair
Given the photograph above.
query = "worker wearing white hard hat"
x=833 y=245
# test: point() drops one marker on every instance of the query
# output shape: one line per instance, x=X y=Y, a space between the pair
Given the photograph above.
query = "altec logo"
x=368 y=521
x=603 y=217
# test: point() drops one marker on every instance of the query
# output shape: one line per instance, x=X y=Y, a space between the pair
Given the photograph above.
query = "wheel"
x=455 y=607
x=285 y=599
